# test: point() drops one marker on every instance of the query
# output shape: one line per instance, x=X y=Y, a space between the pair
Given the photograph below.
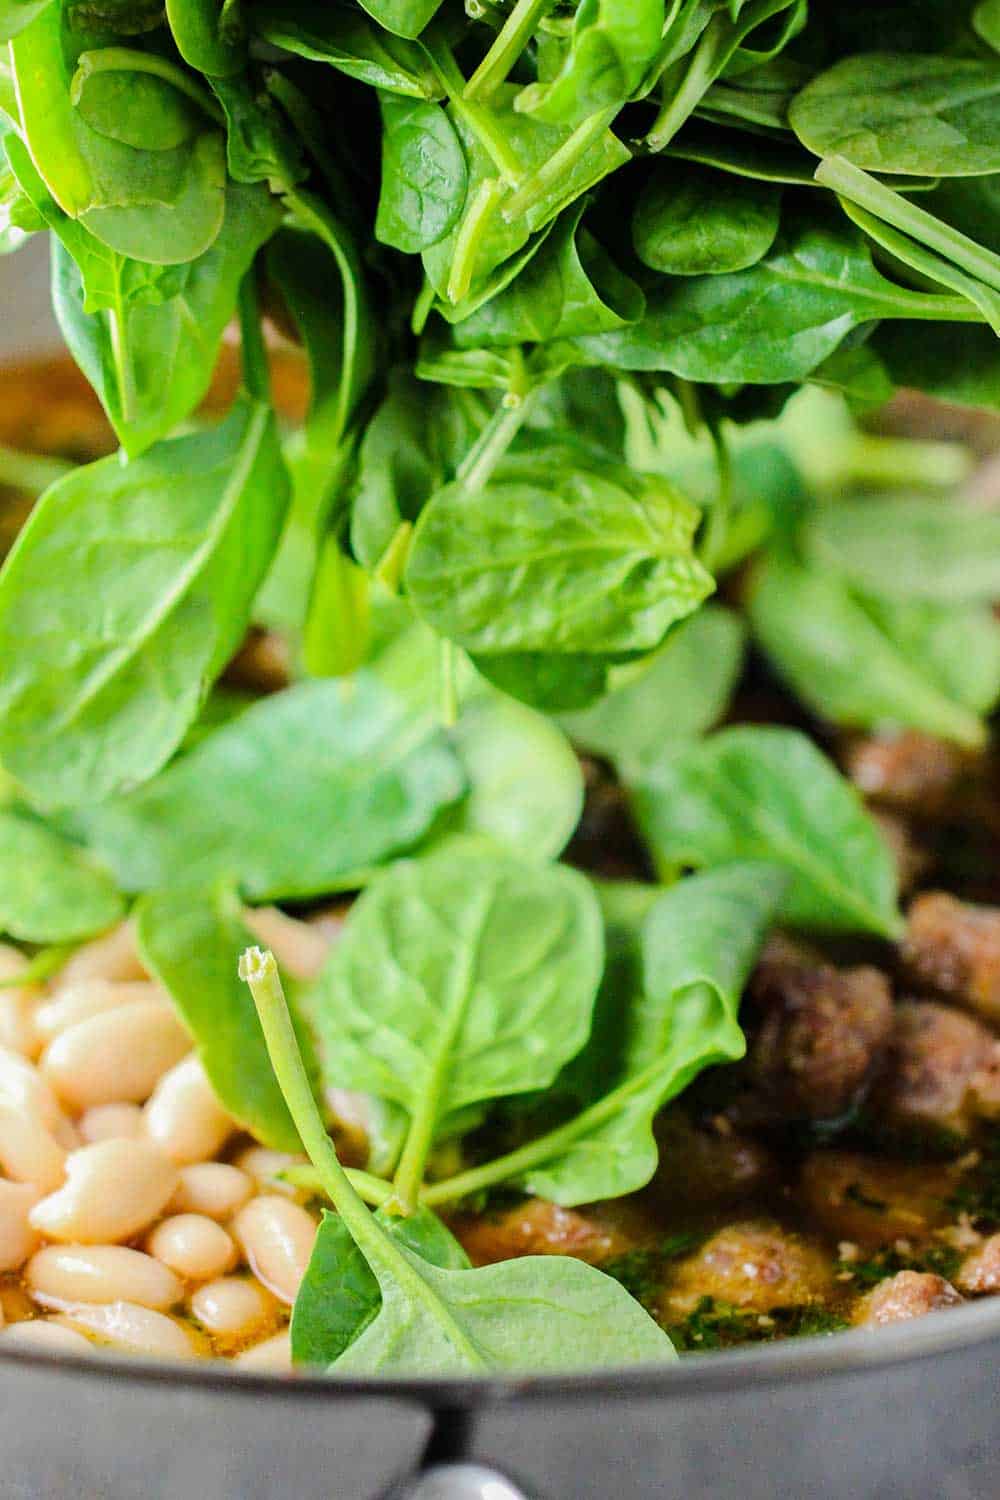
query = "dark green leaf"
x=109 y=653
x=402 y=17
x=15 y=15
x=298 y=796
x=349 y=42
x=201 y=39
x=691 y=221
x=768 y=793
x=610 y=49
x=424 y=175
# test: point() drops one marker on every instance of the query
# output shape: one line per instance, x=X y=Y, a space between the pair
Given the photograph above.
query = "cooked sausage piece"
x=979 y=1273
x=908 y=771
x=942 y=1072
x=816 y=1033
x=704 y=1166
x=908 y=1294
x=953 y=947
x=538 y=1227
x=911 y=861
x=872 y=1200
x=754 y=1265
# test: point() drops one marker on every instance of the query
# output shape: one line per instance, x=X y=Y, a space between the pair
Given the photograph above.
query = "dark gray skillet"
x=907 y=1413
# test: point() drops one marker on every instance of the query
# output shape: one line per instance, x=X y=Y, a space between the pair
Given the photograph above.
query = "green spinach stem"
x=509 y=43
x=492 y=443
x=256 y=375
x=478 y=120
x=478 y=217
x=861 y=188
x=559 y=165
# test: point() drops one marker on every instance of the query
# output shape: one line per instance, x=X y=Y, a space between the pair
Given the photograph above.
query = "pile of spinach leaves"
x=556 y=269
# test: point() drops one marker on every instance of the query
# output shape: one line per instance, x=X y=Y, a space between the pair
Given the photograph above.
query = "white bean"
x=276 y=1237
x=212 y=1188
x=17 y=1019
x=17 y=1238
x=233 y=1307
x=105 y=1122
x=133 y=1329
x=116 y=1056
x=91 y=997
x=46 y=1335
x=264 y=1167
x=28 y=1152
x=193 y=1246
x=113 y=1191
x=111 y=956
x=300 y=948
x=183 y=1116
x=21 y=1083
x=60 y=1275
x=274 y=1354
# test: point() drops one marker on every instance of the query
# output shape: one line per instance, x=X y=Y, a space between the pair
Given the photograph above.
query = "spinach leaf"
x=260 y=146
x=986 y=20
x=691 y=221
x=768 y=793
x=203 y=38
x=117 y=93
x=349 y=42
x=663 y=701
x=554 y=1312
x=888 y=112
x=15 y=15
x=106 y=667
x=424 y=175
x=340 y=1296
x=405 y=18
x=187 y=936
x=556 y=552
x=845 y=663
x=51 y=891
x=956 y=364
x=699 y=942
x=553 y=683
x=347 y=765
x=609 y=50
x=775 y=321
x=459 y=977
x=569 y=288
x=909 y=547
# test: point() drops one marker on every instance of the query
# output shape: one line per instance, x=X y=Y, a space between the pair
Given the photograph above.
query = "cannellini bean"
x=193 y=1246
x=274 y=1354
x=17 y=1020
x=116 y=1056
x=28 y=1152
x=233 y=1307
x=213 y=1188
x=264 y=1166
x=17 y=1237
x=276 y=1237
x=21 y=1083
x=184 y=1118
x=300 y=948
x=91 y=997
x=113 y=1191
x=105 y=1122
x=45 y=1335
x=133 y=1329
x=60 y=1275
x=111 y=956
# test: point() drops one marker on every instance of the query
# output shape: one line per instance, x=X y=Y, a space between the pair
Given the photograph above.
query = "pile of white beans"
x=133 y=1215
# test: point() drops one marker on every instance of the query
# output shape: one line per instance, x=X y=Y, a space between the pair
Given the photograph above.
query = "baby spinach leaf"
x=405 y=18
x=51 y=891
x=150 y=357
x=117 y=95
x=105 y=667
x=187 y=937
x=15 y=15
x=539 y=1313
x=886 y=112
x=556 y=552
x=340 y=1296
x=570 y=287
x=459 y=977
x=775 y=321
x=909 y=547
x=349 y=42
x=699 y=942
x=847 y=665
x=202 y=38
x=664 y=700
x=260 y=146
x=986 y=20
x=957 y=646
x=691 y=221
x=769 y=793
x=292 y=799
x=954 y=363
x=609 y=50
x=424 y=175
x=553 y=683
